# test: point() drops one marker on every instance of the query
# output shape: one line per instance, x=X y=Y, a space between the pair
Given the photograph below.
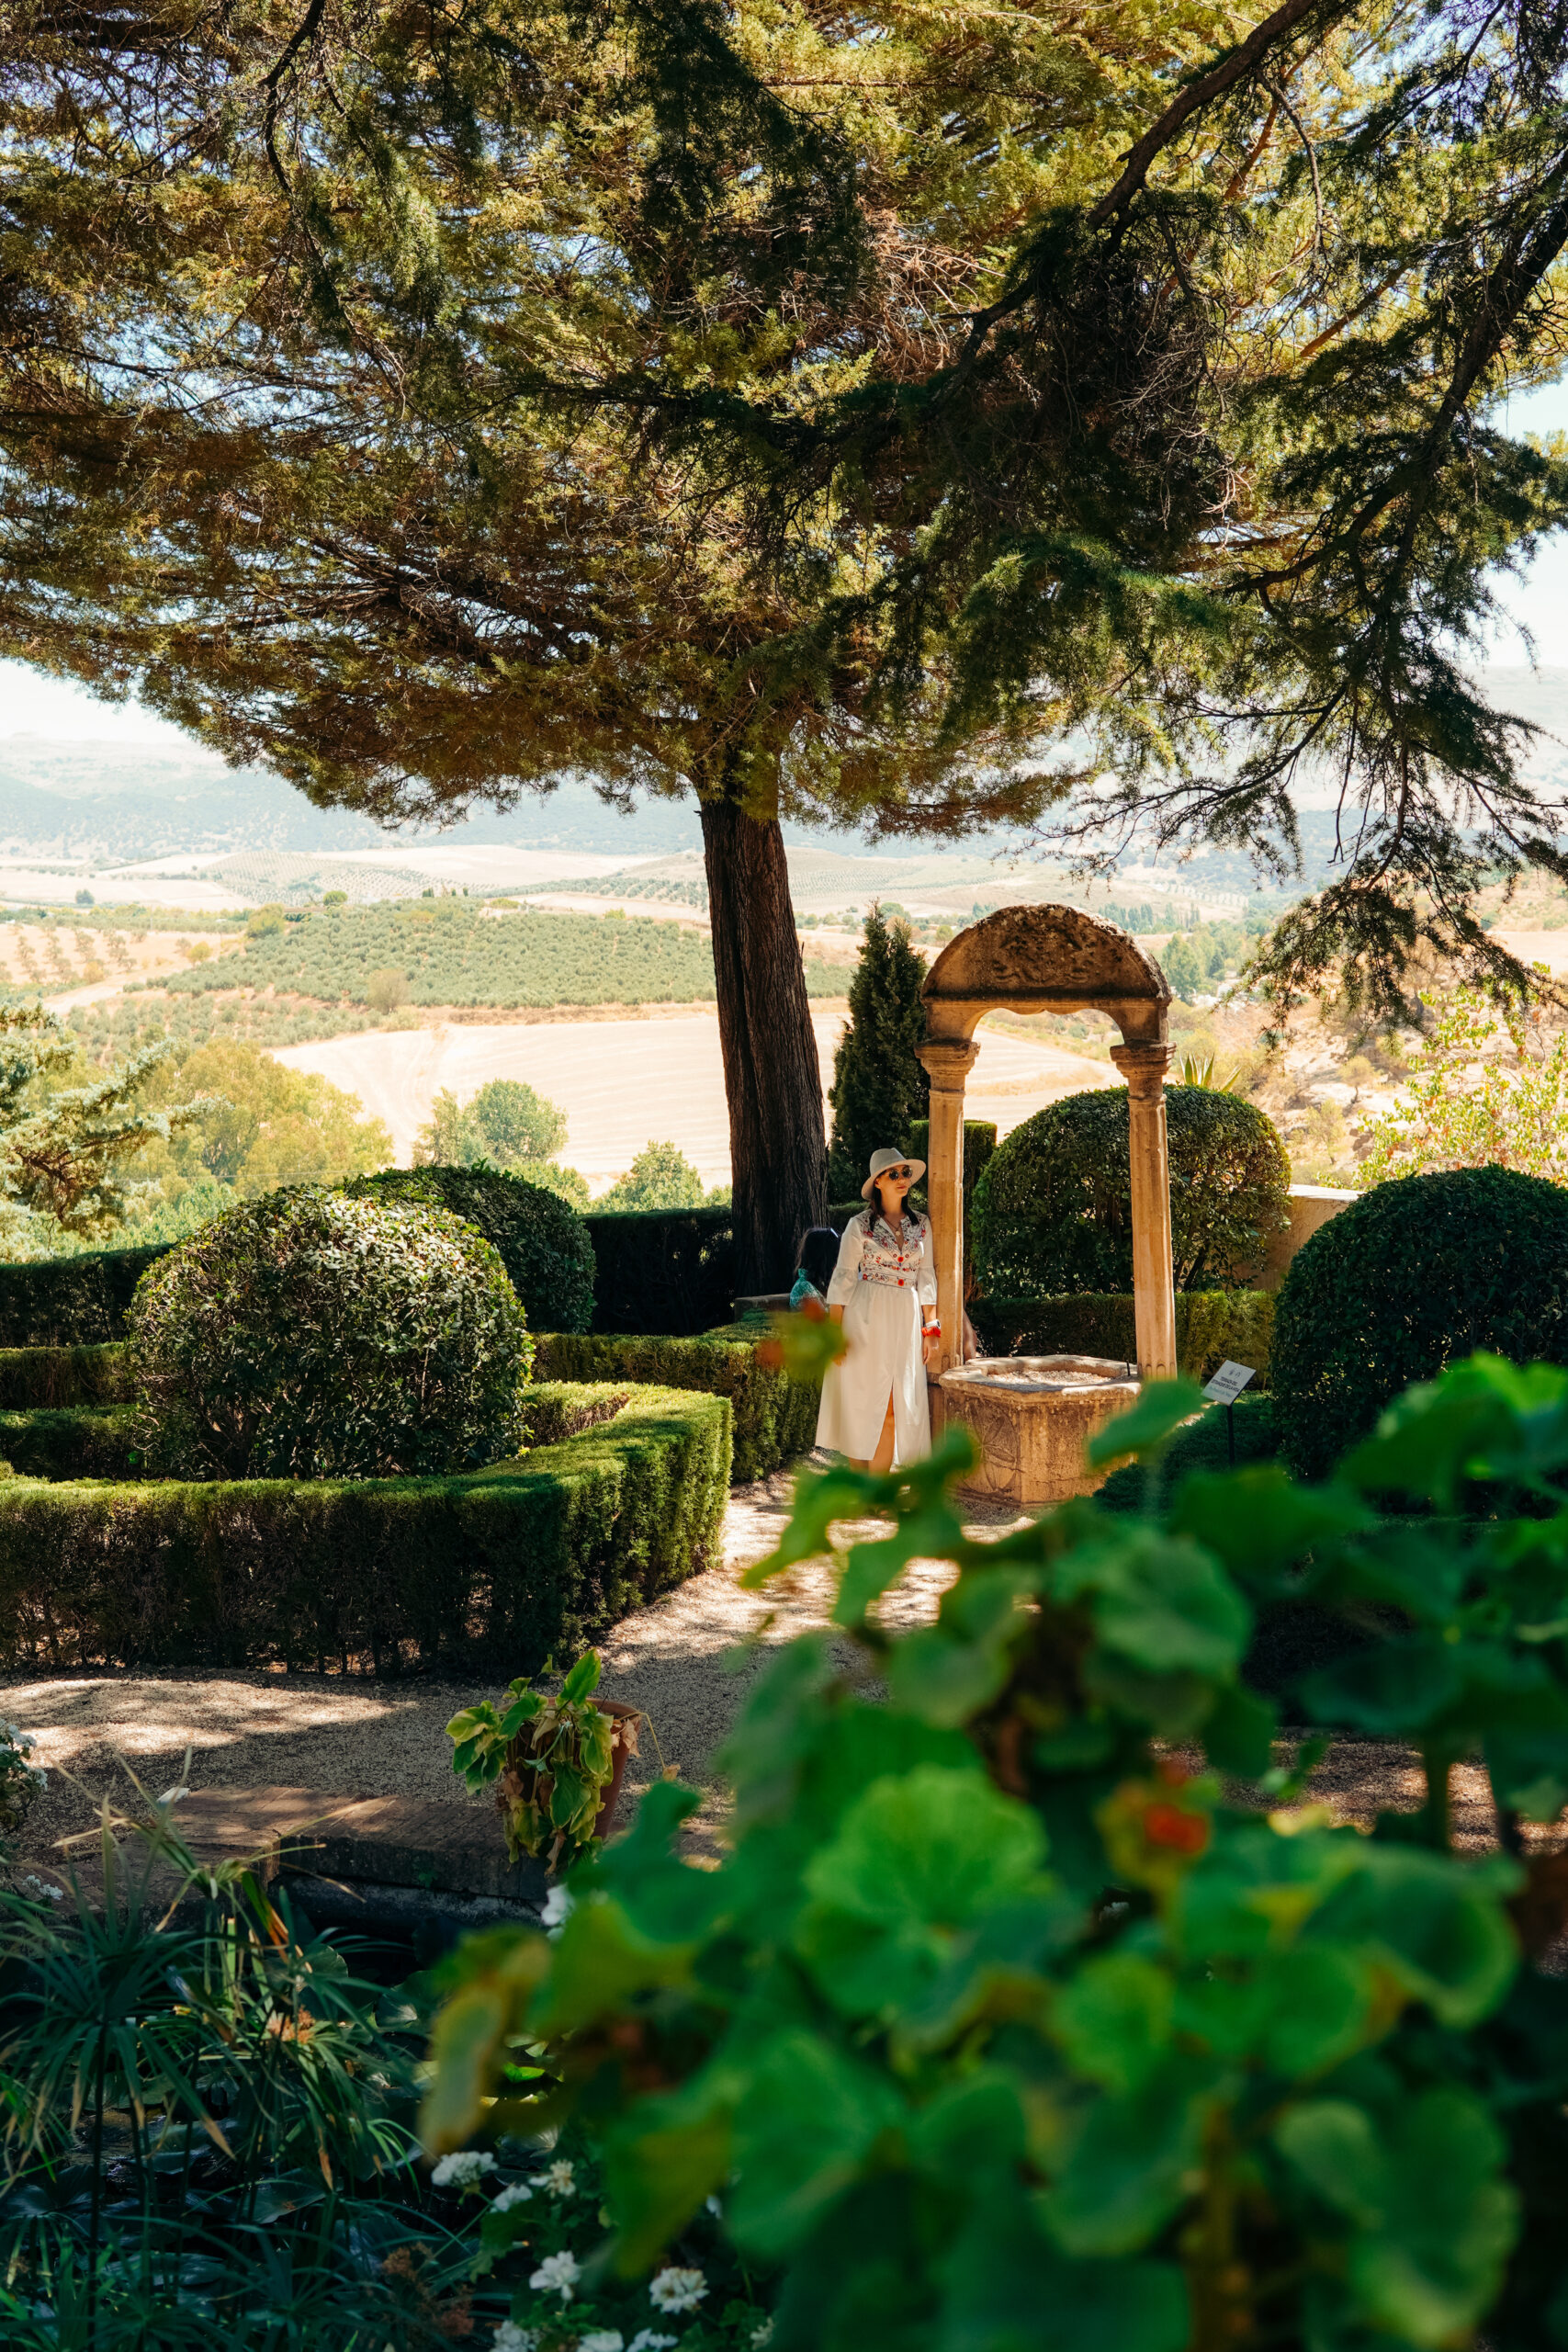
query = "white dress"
x=882 y=1280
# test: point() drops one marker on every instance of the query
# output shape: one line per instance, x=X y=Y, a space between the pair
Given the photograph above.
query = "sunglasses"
x=905 y=1171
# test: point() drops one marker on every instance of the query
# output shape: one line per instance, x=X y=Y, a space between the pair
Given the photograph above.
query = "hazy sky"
x=34 y=704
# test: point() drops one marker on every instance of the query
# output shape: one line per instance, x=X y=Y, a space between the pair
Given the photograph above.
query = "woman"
x=875 y=1408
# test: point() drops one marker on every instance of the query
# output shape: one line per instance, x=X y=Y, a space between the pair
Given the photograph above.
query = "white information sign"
x=1228 y=1382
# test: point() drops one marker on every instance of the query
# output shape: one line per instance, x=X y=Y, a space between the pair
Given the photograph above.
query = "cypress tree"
x=879 y=1084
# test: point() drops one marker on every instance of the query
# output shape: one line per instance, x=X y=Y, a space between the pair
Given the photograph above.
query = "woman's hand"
x=928 y=1349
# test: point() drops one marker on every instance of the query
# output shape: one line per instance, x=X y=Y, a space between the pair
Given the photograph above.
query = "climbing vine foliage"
x=1000 y=2006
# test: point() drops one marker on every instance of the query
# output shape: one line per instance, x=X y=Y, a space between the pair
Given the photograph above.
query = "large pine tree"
x=879 y=1084
x=810 y=414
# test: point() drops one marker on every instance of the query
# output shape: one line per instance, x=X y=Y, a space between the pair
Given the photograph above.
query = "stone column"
x=1153 y=1288
x=949 y=1062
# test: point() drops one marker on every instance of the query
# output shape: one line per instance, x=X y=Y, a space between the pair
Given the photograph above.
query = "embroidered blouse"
x=889 y=1257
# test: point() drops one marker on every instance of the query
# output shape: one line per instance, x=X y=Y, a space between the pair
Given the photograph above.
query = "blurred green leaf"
x=1151 y=1424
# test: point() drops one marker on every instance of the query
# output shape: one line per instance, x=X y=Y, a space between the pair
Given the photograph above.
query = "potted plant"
x=560 y=1761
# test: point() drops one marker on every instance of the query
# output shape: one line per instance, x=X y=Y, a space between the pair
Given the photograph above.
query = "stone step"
x=420 y=1844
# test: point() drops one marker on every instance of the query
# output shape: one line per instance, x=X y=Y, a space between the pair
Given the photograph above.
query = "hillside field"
x=452 y=954
x=621 y=1083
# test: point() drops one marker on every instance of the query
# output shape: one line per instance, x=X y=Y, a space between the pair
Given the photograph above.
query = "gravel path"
x=687 y=1662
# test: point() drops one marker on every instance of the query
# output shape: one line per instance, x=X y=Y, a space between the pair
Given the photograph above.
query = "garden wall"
x=507 y=1566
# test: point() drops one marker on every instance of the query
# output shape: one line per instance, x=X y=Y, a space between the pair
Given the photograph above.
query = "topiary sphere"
x=1419 y=1272
x=543 y=1241
x=305 y=1335
x=1052 y=1210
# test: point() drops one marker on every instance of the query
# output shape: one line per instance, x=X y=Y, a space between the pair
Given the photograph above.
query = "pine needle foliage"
x=68 y=1151
x=919 y=464
x=879 y=1084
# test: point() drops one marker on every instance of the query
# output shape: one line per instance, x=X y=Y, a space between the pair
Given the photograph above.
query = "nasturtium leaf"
x=1436 y=1924
x=1149 y=1424
x=662 y=2159
x=1527 y=1753
x=599 y=1961
x=1426 y=1440
x=1135 y=2160
x=1008 y=2290
x=1449 y=2222
x=497 y=1974
x=872 y=1567
x=1333 y=2146
x=1160 y=1602
x=1113 y=2019
x=1239 y=1732
x=666 y=1898
x=1432 y=2221
x=1395 y=1686
x=948 y=1672
x=994 y=1970
x=1258 y=1522
x=806 y=2125
x=1315 y=2005
x=933 y=1847
x=974 y=2125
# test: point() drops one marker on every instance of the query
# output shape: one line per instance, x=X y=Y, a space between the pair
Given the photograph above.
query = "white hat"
x=881 y=1162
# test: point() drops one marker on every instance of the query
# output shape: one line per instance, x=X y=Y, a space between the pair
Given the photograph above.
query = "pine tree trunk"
x=777 y=1144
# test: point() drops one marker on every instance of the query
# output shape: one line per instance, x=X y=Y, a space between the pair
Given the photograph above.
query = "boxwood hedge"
x=775 y=1418
x=508 y=1565
x=73 y=1442
x=94 y=1375
x=1211 y=1326
x=1418 y=1274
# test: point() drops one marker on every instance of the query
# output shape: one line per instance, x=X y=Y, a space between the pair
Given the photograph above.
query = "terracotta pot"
x=622 y=1743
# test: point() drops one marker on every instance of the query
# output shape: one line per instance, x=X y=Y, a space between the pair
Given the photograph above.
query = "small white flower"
x=603 y=2339
x=463 y=2170
x=714 y=2206
x=557 y=2275
x=644 y=2340
x=510 y=2337
x=764 y=2335
x=25 y=1741
x=517 y=2192
x=38 y=1774
x=36 y=1886
x=560 y=2179
x=677 y=2290
x=559 y=1909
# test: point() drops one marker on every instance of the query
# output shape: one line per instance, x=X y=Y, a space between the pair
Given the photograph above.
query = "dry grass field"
x=621 y=1082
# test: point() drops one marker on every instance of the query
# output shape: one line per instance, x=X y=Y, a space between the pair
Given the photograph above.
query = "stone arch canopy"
x=1046 y=959
x=1053 y=959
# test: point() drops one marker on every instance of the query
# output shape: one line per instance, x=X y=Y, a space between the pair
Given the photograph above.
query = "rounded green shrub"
x=543 y=1241
x=1417 y=1273
x=1053 y=1209
x=305 y=1335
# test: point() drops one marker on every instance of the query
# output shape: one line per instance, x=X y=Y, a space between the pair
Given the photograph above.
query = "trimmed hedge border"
x=95 y=1441
x=72 y=1441
x=1211 y=1326
x=775 y=1418
x=31 y=1378
x=659 y=1270
x=72 y=1302
x=510 y=1565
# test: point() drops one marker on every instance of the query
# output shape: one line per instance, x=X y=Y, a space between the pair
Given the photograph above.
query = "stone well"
x=1031 y=1417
